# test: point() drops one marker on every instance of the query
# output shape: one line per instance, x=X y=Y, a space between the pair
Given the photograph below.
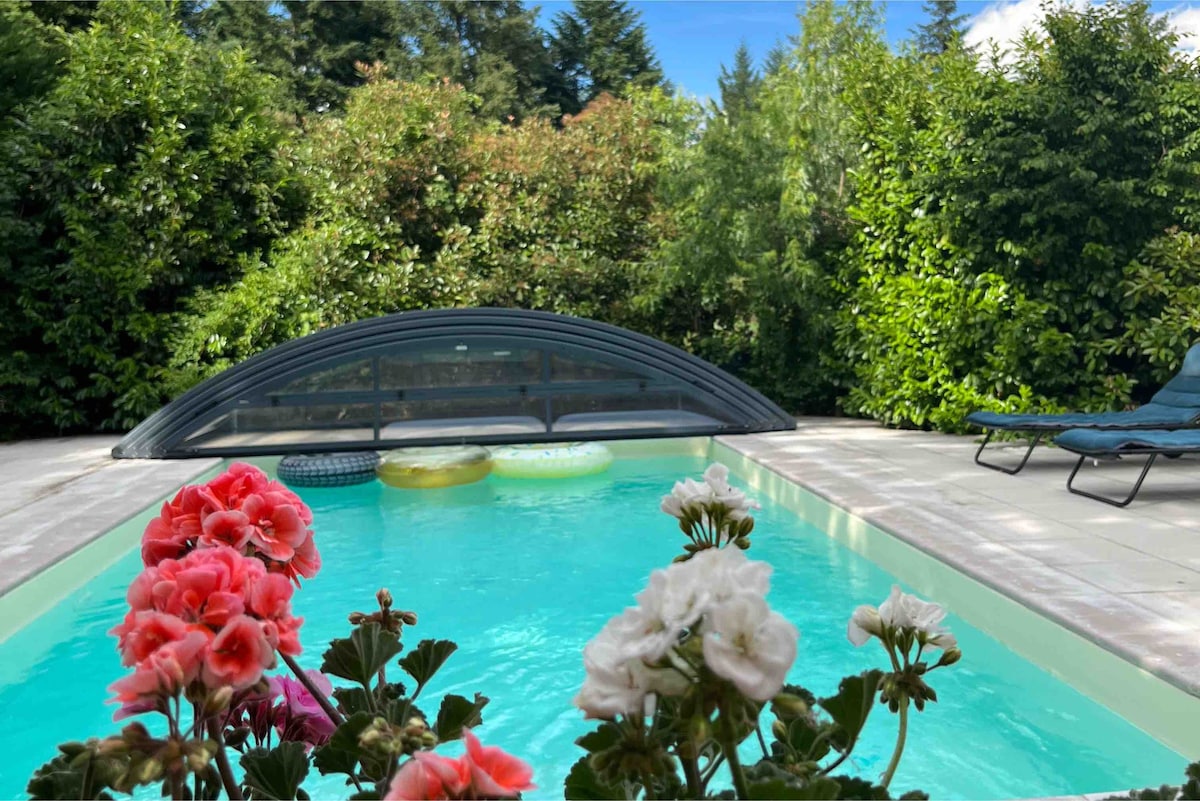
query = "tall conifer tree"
x=944 y=28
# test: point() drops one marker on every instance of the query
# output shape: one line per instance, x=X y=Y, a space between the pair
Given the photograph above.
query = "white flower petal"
x=864 y=624
x=750 y=645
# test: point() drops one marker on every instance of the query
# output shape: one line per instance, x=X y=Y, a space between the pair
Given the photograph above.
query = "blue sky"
x=693 y=38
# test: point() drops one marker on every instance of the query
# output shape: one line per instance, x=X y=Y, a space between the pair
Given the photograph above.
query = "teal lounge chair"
x=1175 y=406
x=1093 y=444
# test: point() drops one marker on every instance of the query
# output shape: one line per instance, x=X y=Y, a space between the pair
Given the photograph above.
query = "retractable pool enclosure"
x=453 y=376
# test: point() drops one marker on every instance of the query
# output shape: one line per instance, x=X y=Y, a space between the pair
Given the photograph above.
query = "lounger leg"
x=1012 y=471
x=1111 y=501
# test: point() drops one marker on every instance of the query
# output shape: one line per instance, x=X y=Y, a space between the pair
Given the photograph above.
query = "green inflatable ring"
x=565 y=460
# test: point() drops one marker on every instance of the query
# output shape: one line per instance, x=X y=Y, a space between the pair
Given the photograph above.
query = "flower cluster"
x=711 y=512
x=241 y=509
x=482 y=772
x=287 y=707
x=709 y=611
x=215 y=617
x=901 y=613
x=901 y=623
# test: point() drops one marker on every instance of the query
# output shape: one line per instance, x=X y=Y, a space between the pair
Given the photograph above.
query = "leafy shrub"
x=384 y=181
x=146 y=170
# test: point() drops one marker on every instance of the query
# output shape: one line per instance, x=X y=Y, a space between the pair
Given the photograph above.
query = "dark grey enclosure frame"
x=248 y=385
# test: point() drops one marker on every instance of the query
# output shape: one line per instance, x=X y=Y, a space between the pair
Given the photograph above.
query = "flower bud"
x=218 y=701
x=780 y=730
x=949 y=657
x=384 y=598
x=789 y=705
x=149 y=770
x=357 y=618
x=408 y=618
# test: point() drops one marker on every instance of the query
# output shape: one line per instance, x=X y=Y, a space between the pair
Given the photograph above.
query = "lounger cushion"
x=1089 y=442
x=1176 y=405
x=1148 y=416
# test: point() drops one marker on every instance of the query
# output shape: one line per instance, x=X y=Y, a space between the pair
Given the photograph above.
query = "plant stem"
x=891 y=768
x=691 y=772
x=647 y=788
x=319 y=696
x=231 y=786
x=729 y=748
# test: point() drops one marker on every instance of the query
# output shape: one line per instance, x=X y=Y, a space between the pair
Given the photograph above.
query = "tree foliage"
x=147 y=170
x=905 y=235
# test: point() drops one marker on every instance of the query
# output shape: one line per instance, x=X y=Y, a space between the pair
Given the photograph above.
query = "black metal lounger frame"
x=1012 y=471
x=1152 y=453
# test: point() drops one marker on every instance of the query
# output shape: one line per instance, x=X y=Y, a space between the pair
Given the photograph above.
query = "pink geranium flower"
x=301 y=717
x=276 y=528
x=495 y=773
x=238 y=655
x=164 y=672
x=429 y=776
x=143 y=633
x=482 y=772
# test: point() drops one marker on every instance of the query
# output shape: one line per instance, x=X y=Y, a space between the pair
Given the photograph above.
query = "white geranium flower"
x=670 y=604
x=865 y=623
x=903 y=612
x=721 y=572
x=693 y=496
x=717 y=479
x=748 y=644
x=893 y=612
x=615 y=684
x=686 y=495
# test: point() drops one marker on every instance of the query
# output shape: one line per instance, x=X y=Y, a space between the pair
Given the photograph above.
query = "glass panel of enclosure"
x=469 y=386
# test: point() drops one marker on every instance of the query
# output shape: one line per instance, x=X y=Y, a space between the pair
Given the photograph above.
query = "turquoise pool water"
x=522 y=573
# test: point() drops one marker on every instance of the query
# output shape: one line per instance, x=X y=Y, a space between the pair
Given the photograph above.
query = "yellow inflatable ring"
x=551 y=461
x=427 y=468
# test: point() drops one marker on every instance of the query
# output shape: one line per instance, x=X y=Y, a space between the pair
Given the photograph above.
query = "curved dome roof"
x=452 y=376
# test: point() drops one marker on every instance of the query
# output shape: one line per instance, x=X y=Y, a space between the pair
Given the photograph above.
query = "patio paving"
x=1127 y=579
x=57 y=495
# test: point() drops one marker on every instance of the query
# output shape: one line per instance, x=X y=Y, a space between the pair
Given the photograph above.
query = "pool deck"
x=1127 y=579
x=57 y=495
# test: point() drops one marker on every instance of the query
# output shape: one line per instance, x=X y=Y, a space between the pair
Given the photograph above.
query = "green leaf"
x=582 y=784
x=360 y=656
x=341 y=753
x=603 y=738
x=276 y=773
x=351 y=700
x=816 y=790
x=852 y=704
x=426 y=658
x=457 y=713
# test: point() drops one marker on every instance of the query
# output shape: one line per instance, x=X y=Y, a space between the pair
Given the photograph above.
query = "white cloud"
x=1004 y=21
x=1186 y=21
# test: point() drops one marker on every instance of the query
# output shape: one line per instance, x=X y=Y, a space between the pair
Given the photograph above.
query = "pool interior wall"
x=1163 y=711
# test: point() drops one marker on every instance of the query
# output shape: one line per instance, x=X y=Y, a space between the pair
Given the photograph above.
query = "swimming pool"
x=522 y=573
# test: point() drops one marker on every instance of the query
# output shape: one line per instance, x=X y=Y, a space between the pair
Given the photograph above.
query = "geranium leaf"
x=360 y=656
x=426 y=658
x=341 y=753
x=582 y=784
x=604 y=737
x=457 y=713
x=351 y=700
x=276 y=773
x=852 y=704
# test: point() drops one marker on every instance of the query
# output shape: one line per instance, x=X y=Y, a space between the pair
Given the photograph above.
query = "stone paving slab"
x=57 y=495
x=1127 y=579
